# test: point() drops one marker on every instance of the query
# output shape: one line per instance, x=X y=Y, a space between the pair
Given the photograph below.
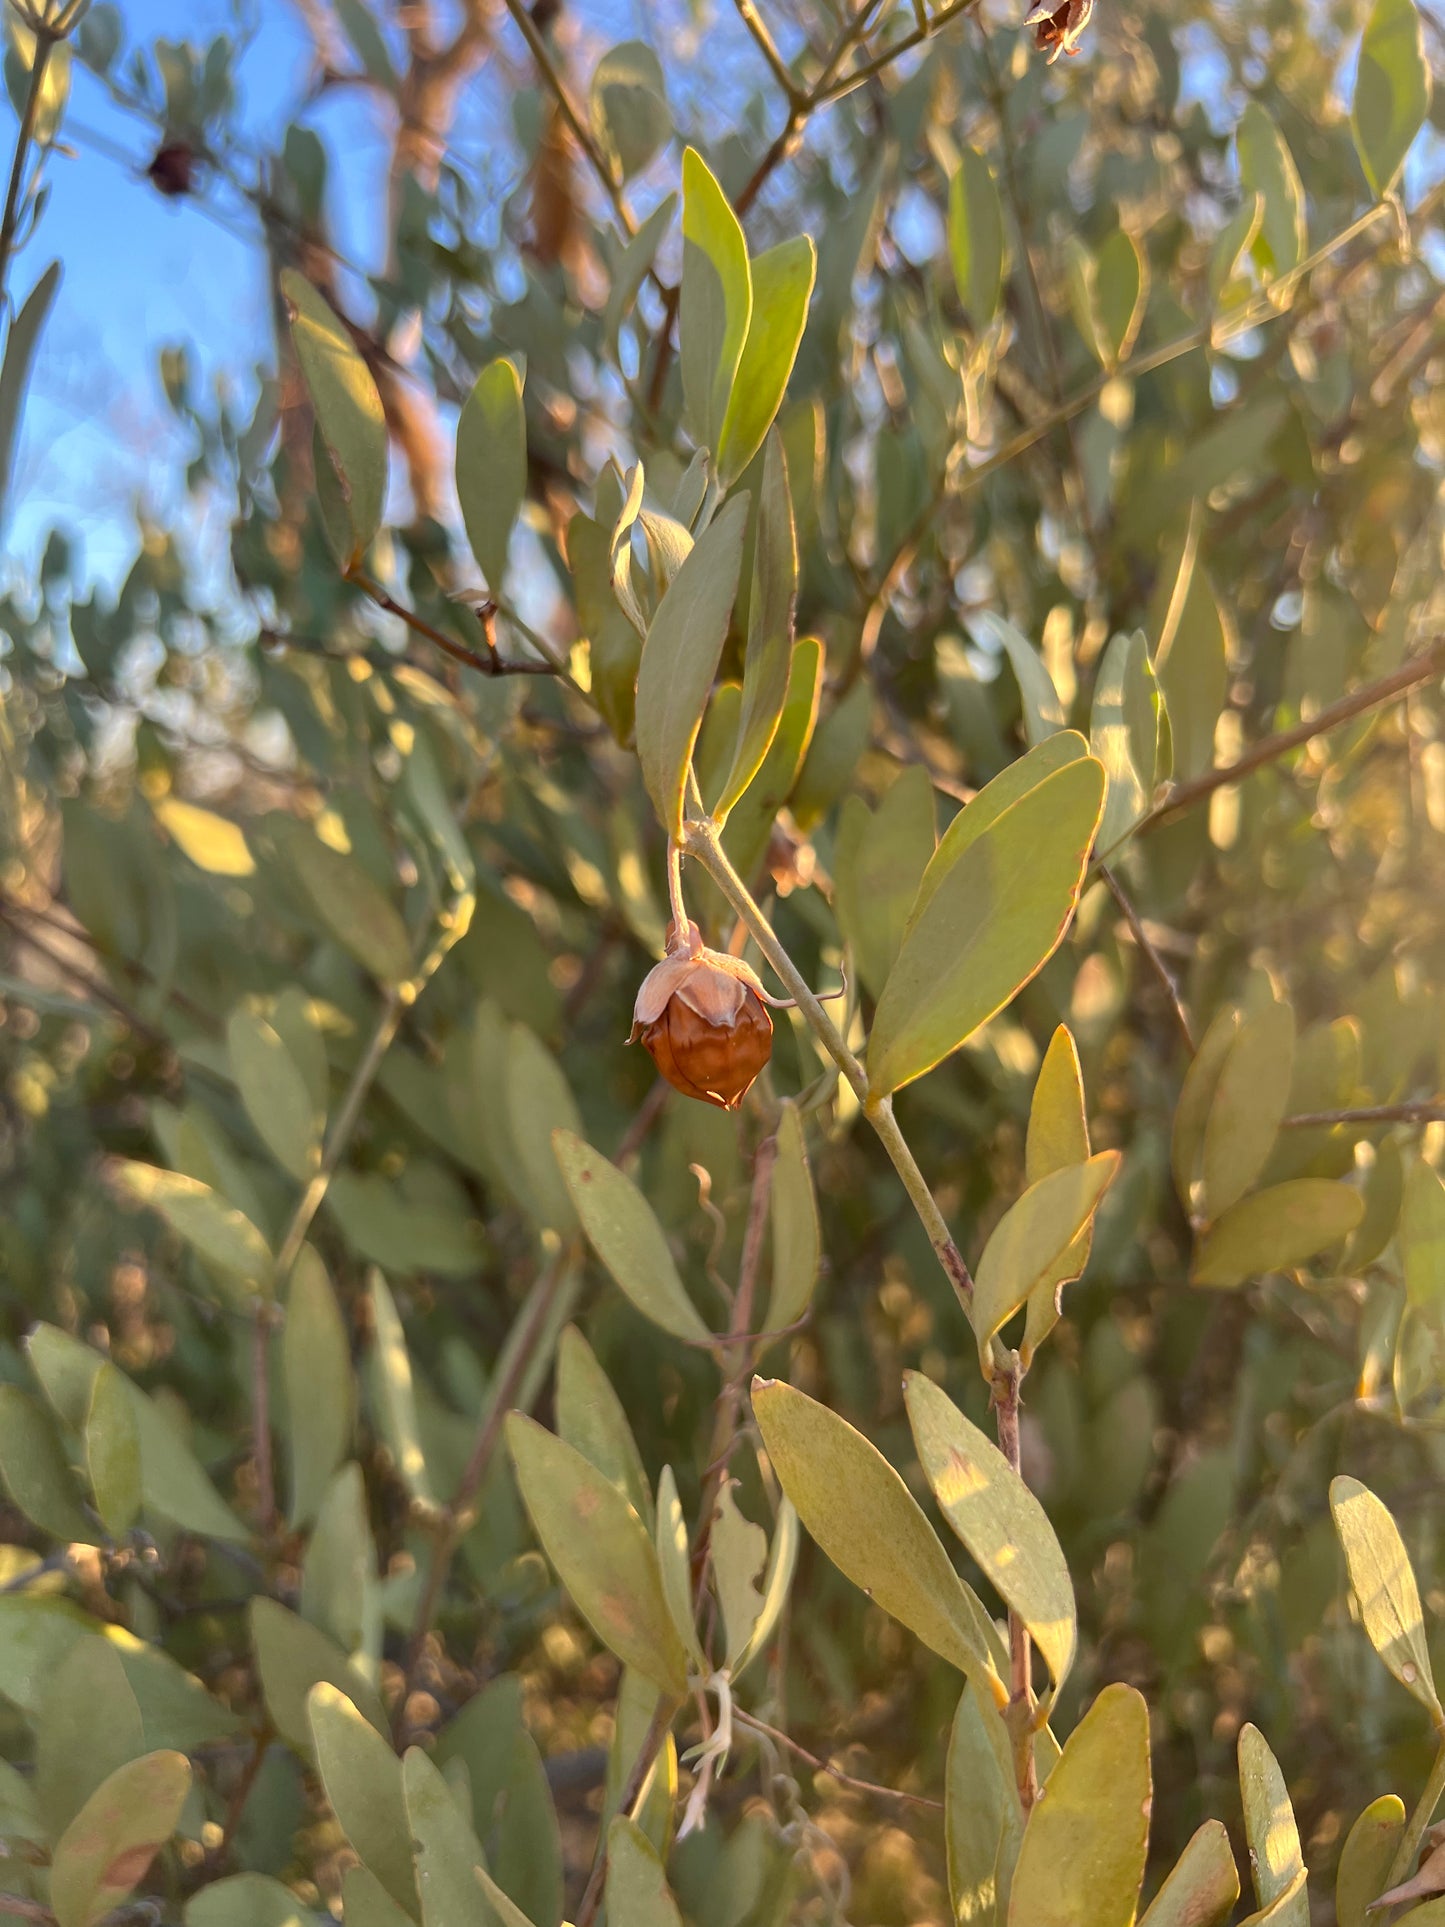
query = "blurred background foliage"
x=242 y=798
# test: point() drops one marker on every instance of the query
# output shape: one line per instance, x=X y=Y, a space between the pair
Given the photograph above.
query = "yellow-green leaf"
x=717 y=299
x=35 y=1470
x=863 y=1516
x=1269 y=1826
x=983 y=1821
x=112 y=1452
x=292 y=1656
x=348 y=407
x=623 y=1230
x=1058 y=1135
x=1028 y=1242
x=601 y=1551
x=362 y=1778
x=975 y=238
x=1392 y=91
x=1266 y=167
x=223 y=1236
x=1422 y=1237
x=1247 y=1104
x=997 y=1517
x=492 y=465
x=1081 y=1861
x=213 y=843
x=674 y=1567
x=1276 y=1229
x=1366 y=1859
x=991 y=910
x=796 y=1236
x=881 y=857
x=591 y=1418
x=680 y=658
x=1201 y=1887
x=770 y=628
x=637 y=1889
x=105 y=1851
x=274 y=1092
x=782 y=285
x=1384 y=1586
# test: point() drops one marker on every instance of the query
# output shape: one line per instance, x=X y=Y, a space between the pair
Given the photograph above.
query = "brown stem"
x=767 y=46
x=1425 y=1110
x=1019 y=1715
x=870 y=1787
x=740 y=1326
x=1420 y=668
x=490 y=664
x=484 y=1446
x=24 y=1909
x=44 y=45
x=647 y=1753
x=1150 y=952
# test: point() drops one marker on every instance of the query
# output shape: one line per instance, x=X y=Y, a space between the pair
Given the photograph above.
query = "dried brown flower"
x=703 y=1017
x=1060 y=28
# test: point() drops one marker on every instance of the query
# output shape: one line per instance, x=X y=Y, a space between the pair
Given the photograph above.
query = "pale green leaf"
x=20 y=346
x=782 y=285
x=1269 y=1826
x=1124 y=735
x=1081 y=1861
x=1267 y=168
x=1196 y=1096
x=975 y=238
x=601 y=1551
x=1366 y=1858
x=36 y=1472
x=674 y=1567
x=983 y=1821
x=108 y=1846
x=349 y=414
x=628 y=99
x=865 y=1519
x=248 y=1900
x=1201 y=1887
x=739 y=1553
x=1058 y=1135
x=637 y=1889
x=447 y=1852
x=362 y=1778
x=320 y=1384
x=717 y=299
x=770 y=628
x=623 y=1230
x=353 y=909
x=1275 y=1230
x=1422 y=1237
x=1384 y=1586
x=1121 y=294
x=629 y=272
x=89 y=1726
x=539 y=1103
x=881 y=858
x=1026 y=1245
x=395 y=1390
x=777 y=1584
x=591 y=1418
x=507 y=1912
x=998 y=1519
x=1392 y=91
x=680 y=658
x=796 y=1237
x=112 y=1452
x=1042 y=709
x=1246 y=1107
x=991 y=910
x=223 y=1236
x=292 y=1657
x=275 y=1093
x=492 y=465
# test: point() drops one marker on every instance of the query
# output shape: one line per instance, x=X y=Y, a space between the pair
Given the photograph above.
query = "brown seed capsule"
x=1059 y=28
x=701 y=1015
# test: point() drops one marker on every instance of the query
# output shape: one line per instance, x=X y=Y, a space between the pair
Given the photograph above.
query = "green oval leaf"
x=881 y=858
x=224 y=1236
x=628 y=99
x=349 y=414
x=1247 y=1104
x=717 y=299
x=362 y=1778
x=274 y=1093
x=996 y=1516
x=1392 y=91
x=1027 y=1245
x=112 y=1452
x=863 y=1516
x=623 y=1230
x=1384 y=1585
x=320 y=1384
x=1276 y=1229
x=637 y=1889
x=89 y=1726
x=797 y=1240
x=770 y=628
x=991 y=911
x=105 y=1851
x=983 y=1821
x=492 y=465
x=35 y=1470
x=1081 y=1861
x=1201 y=1887
x=1269 y=1826
x=292 y=1657
x=1266 y=167
x=1366 y=1859
x=782 y=286
x=1422 y=1236
x=601 y=1551
x=591 y=1418
x=975 y=238
x=680 y=658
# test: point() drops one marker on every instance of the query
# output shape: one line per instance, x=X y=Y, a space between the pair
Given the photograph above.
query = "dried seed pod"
x=1059 y=28
x=703 y=1018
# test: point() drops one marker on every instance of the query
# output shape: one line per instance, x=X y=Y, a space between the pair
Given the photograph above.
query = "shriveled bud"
x=1059 y=28
x=702 y=1016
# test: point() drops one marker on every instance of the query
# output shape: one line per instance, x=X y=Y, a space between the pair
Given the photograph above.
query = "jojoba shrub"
x=723 y=1070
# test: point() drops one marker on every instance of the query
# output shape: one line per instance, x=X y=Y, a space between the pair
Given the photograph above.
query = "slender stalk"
x=1019 y=1715
x=870 y=1787
x=489 y=665
x=1149 y=950
x=596 y=160
x=1420 y=1819
x=674 y=889
x=489 y=1432
x=362 y=1078
x=44 y=46
x=647 y=1753
x=1430 y=662
x=1425 y=1110
x=767 y=47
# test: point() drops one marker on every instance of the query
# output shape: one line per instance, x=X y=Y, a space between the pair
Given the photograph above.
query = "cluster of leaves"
x=1023 y=599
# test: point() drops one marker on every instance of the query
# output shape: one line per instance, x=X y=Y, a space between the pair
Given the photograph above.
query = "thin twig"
x=1426 y=1110
x=1150 y=952
x=870 y=1787
x=767 y=46
x=1420 y=668
x=44 y=46
x=537 y=46
x=24 y=1909
x=490 y=664
x=652 y=1743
